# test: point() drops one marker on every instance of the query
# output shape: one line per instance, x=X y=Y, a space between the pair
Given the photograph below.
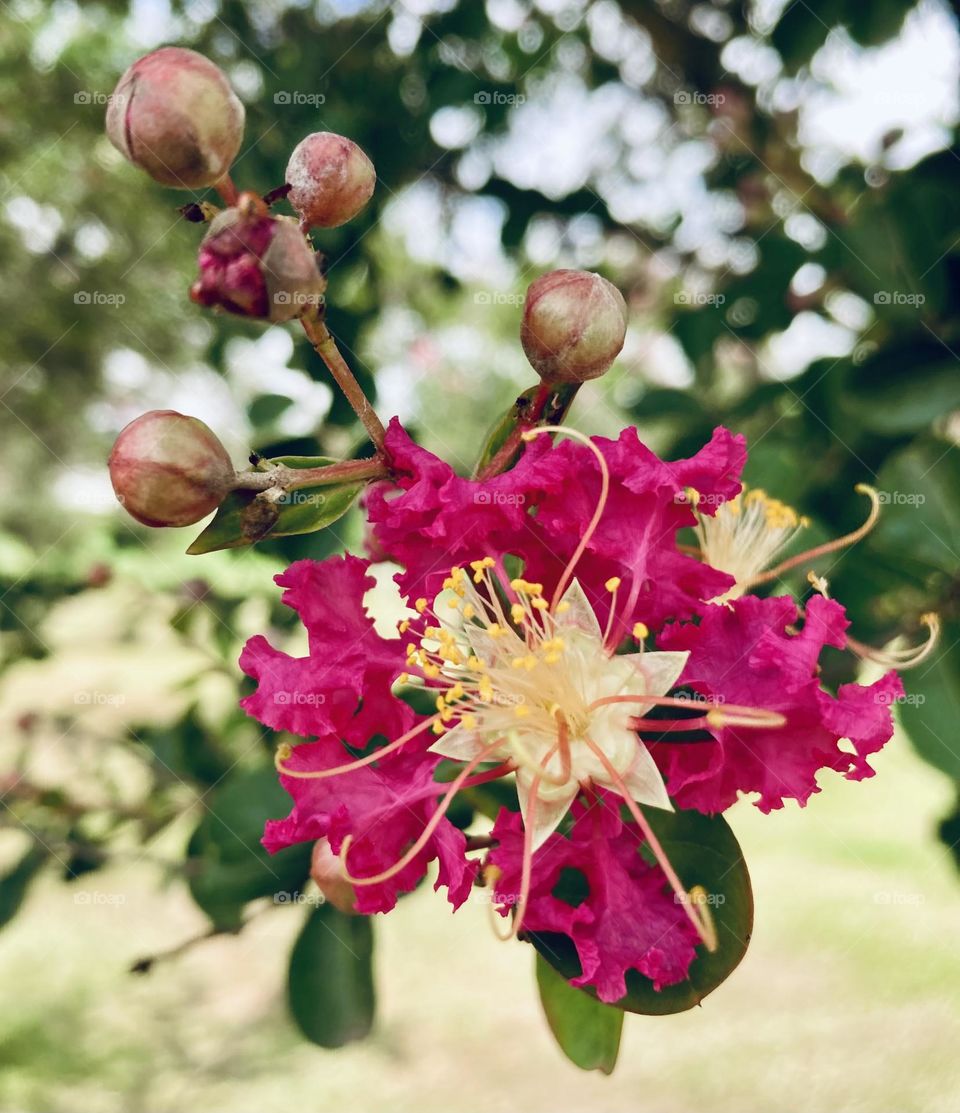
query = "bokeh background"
x=774 y=186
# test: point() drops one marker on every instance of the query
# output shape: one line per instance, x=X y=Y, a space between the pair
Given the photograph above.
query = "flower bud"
x=326 y=869
x=169 y=470
x=574 y=324
x=257 y=265
x=331 y=180
x=174 y=115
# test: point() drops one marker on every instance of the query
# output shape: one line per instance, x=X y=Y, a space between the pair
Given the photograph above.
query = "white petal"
x=660 y=668
x=645 y=781
x=549 y=812
x=458 y=744
x=580 y=614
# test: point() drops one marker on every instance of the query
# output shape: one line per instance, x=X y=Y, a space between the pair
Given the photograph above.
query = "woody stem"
x=290 y=479
x=326 y=348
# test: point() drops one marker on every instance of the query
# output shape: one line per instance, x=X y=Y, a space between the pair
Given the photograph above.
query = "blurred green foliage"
x=97 y=262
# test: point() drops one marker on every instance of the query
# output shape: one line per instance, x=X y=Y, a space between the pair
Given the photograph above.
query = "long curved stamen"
x=526 y=871
x=703 y=927
x=730 y=714
x=588 y=533
x=285 y=750
x=901 y=658
x=829 y=546
x=427 y=833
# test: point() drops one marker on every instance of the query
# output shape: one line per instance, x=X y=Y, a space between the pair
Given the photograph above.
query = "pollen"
x=421 y=605
x=613 y=583
x=640 y=631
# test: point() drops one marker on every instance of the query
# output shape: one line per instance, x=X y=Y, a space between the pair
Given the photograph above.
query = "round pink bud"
x=327 y=872
x=574 y=324
x=174 y=115
x=257 y=265
x=330 y=179
x=169 y=470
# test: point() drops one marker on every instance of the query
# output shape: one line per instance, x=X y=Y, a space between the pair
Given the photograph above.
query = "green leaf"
x=226 y=864
x=555 y=411
x=16 y=881
x=920 y=520
x=903 y=388
x=931 y=710
x=330 y=982
x=587 y=1031
x=704 y=852
x=245 y=517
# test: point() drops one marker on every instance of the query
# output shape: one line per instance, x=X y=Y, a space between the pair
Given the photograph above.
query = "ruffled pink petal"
x=344 y=686
x=628 y=919
x=748 y=653
x=385 y=809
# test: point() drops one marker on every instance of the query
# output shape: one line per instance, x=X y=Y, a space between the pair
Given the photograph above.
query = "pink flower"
x=745 y=653
x=628 y=919
x=381 y=811
x=343 y=686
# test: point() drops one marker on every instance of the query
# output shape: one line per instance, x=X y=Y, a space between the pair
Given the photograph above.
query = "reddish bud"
x=257 y=265
x=174 y=115
x=331 y=180
x=169 y=470
x=574 y=324
x=326 y=869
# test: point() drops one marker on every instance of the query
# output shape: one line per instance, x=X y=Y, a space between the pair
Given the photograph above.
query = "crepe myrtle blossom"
x=530 y=646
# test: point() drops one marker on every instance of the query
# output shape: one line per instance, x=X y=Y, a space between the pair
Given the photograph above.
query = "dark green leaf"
x=245 y=518
x=330 y=983
x=704 y=852
x=931 y=709
x=227 y=866
x=15 y=882
x=587 y=1031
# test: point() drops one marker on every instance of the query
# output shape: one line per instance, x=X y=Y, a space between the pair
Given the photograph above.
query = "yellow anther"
x=518 y=612
x=613 y=583
x=469 y=611
x=431 y=671
x=404 y=626
x=529 y=662
x=562 y=608
x=474 y=662
x=552 y=658
x=640 y=631
x=495 y=630
x=539 y=604
x=421 y=605
x=454 y=603
x=411 y=650
x=468 y=722
x=456 y=692
x=438 y=728
x=403 y=678
x=485 y=688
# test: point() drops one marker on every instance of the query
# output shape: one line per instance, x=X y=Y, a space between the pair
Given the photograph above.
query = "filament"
x=285 y=750
x=427 y=833
x=597 y=514
x=829 y=546
x=704 y=930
